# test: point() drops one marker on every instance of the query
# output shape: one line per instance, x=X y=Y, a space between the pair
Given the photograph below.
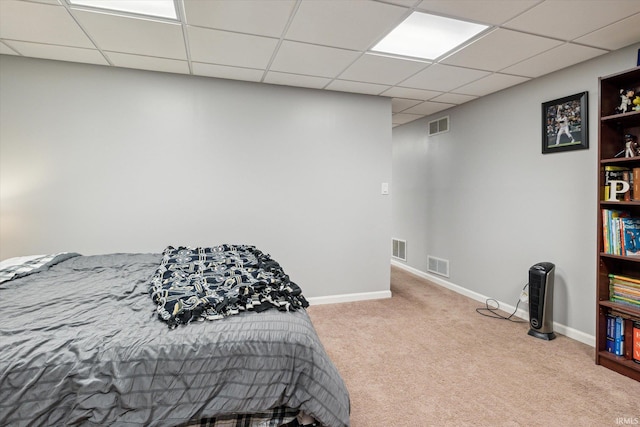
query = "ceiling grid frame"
x=608 y=25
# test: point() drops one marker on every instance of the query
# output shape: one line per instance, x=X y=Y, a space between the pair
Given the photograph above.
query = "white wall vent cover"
x=438 y=266
x=399 y=249
x=440 y=125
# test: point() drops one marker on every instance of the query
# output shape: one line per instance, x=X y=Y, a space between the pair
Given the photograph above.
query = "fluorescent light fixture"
x=158 y=8
x=427 y=36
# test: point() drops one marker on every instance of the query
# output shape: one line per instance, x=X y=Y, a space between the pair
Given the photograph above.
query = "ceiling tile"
x=53 y=2
x=296 y=80
x=403 y=92
x=148 y=63
x=499 y=49
x=40 y=23
x=132 y=35
x=353 y=24
x=60 y=53
x=443 y=78
x=490 y=84
x=454 y=98
x=356 y=87
x=402 y=118
x=381 y=69
x=5 y=49
x=567 y=20
x=615 y=36
x=553 y=60
x=322 y=44
x=261 y=17
x=301 y=58
x=399 y=104
x=487 y=11
x=226 y=48
x=405 y=3
x=427 y=108
x=226 y=72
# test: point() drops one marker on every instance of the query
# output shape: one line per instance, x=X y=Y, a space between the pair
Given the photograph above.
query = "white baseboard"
x=521 y=313
x=332 y=299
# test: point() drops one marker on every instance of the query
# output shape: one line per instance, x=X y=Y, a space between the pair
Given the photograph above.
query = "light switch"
x=385 y=188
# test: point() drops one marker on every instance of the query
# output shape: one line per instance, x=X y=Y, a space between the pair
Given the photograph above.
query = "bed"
x=97 y=340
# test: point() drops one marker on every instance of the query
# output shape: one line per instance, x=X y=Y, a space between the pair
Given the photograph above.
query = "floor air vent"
x=399 y=249
x=438 y=266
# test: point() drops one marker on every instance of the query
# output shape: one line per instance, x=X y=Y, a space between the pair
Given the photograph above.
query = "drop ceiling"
x=324 y=44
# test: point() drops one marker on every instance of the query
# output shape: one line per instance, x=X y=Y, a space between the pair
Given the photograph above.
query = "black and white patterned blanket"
x=209 y=283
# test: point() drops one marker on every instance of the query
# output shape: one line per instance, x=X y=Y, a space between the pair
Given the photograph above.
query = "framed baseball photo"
x=565 y=124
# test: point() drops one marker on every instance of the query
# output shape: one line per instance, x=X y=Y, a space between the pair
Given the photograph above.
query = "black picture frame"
x=565 y=125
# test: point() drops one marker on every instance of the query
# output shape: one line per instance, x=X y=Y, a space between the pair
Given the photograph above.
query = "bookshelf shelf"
x=611 y=231
x=621 y=117
x=620 y=161
x=620 y=203
x=622 y=308
x=621 y=257
x=620 y=364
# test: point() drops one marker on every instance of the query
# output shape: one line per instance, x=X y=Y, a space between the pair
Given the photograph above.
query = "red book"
x=636 y=342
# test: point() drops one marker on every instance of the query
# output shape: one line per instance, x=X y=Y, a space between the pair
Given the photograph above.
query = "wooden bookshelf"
x=612 y=127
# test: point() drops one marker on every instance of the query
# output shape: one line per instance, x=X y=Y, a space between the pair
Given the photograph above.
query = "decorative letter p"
x=614 y=191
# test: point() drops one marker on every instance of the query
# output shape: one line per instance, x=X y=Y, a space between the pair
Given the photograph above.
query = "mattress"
x=82 y=344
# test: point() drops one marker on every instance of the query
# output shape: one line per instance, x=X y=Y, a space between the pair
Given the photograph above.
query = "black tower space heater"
x=541 y=300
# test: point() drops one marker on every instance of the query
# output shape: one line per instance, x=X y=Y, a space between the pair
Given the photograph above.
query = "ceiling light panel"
x=427 y=36
x=157 y=8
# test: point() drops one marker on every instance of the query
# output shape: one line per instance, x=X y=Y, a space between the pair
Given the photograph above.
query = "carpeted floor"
x=425 y=358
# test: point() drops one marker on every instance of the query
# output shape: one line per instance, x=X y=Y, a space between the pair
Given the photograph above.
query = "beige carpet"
x=425 y=358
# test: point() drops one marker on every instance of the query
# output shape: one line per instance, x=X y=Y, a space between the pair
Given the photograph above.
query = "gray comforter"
x=80 y=344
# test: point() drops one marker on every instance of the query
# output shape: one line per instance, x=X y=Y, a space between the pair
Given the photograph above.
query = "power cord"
x=494 y=310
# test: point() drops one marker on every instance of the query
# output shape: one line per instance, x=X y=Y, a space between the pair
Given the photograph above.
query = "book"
x=615 y=335
x=619 y=337
x=626 y=301
x=606 y=230
x=623 y=278
x=611 y=330
x=620 y=233
x=627 y=176
x=614 y=173
x=611 y=326
x=630 y=229
x=636 y=342
x=624 y=290
x=612 y=240
x=636 y=183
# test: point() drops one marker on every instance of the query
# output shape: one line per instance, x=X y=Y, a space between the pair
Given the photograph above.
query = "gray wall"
x=485 y=198
x=98 y=160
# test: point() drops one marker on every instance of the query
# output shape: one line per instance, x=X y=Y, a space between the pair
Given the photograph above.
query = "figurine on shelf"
x=636 y=103
x=626 y=95
x=632 y=149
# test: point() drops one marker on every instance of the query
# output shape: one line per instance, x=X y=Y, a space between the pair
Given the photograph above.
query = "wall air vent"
x=438 y=126
x=438 y=266
x=399 y=249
